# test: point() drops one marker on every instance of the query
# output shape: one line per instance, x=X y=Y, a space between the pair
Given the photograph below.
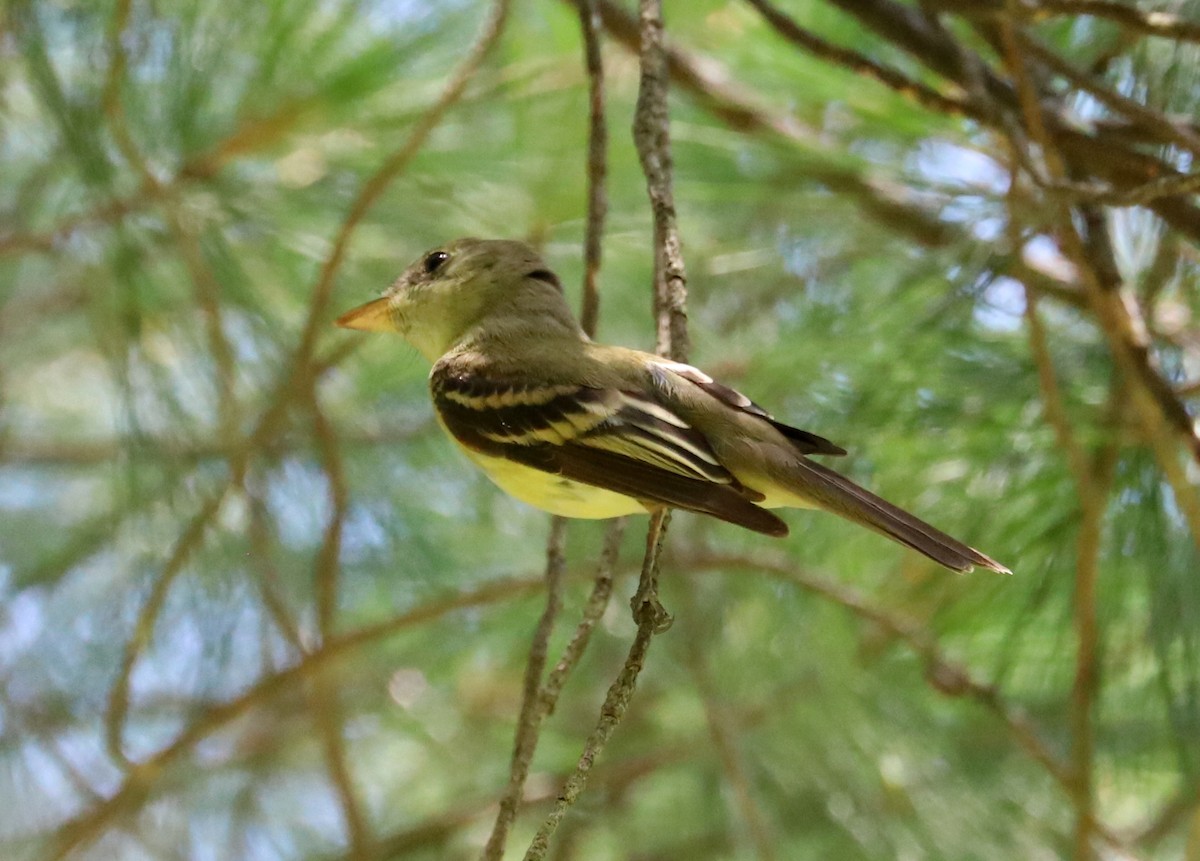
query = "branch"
x=537 y=706
x=1155 y=124
x=616 y=702
x=650 y=622
x=99 y=452
x=1052 y=400
x=597 y=166
x=117 y=711
x=593 y=609
x=861 y=64
x=327 y=567
x=651 y=134
x=530 y=719
x=1151 y=23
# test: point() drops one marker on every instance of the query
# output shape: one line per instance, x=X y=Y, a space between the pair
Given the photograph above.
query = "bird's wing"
x=616 y=439
x=805 y=442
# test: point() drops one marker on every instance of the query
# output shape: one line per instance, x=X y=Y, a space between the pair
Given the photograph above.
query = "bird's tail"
x=838 y=494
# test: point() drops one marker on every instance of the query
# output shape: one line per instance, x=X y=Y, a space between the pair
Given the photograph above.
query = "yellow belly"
x=554 y=493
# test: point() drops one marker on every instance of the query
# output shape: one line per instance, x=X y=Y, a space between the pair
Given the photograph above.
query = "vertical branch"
x=1087 y=682
x=616 y=702
x=597 y=165
x=596 y=604
x=1052 y=400
x=539 y=702
x=651 y=134
x=530 y=719
x=325 y=708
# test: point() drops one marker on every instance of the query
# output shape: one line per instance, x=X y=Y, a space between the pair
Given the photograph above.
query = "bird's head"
x=451 y=290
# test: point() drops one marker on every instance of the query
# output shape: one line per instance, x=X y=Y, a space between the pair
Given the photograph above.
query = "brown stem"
x=651 y=134
x=530 y=719
x=861 y=64
x=597 y=166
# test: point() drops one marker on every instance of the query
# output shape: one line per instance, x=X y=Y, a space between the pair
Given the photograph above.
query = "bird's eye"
x=434 y=261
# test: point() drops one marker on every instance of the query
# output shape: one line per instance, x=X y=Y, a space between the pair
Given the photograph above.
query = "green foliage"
x=196 y=513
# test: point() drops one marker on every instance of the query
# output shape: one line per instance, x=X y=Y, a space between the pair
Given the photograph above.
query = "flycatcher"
x=581 y=429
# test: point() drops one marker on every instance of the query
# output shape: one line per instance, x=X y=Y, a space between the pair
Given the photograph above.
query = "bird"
x=586 y=430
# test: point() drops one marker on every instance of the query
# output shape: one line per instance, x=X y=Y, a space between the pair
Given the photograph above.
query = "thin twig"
x=117 y=711
x=861 y=64
x=616 y=702
x=327 y=565
x=651 y=134
x=1052 y=399
x=530 y=719
x=1172 y=185
x=207 y=292
x=593 y=609
x=1177 y=810
x=652 y=137
x=546 y=697
x=87 y=453
x=325 y=708
x=597 y=166
x=261 y=553
x=431 y=834
x=612 y=711
x=322 y=694
x=1166 y=25
x=1086 y=685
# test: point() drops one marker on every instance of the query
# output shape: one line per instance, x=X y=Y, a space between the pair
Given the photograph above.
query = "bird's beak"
x=374 y=316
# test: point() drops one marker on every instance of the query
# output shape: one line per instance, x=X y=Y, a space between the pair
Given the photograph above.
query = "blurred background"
x=254 y=606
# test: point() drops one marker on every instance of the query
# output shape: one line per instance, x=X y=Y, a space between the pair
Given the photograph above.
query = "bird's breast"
x=553 y=493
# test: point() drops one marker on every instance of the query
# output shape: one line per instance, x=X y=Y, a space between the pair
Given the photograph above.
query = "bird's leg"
x=647 y=609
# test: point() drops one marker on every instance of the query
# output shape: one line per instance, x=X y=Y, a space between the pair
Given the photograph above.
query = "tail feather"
x=838 y=494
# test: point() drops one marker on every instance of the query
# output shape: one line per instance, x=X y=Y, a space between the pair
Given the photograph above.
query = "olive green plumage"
x=586 y=430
